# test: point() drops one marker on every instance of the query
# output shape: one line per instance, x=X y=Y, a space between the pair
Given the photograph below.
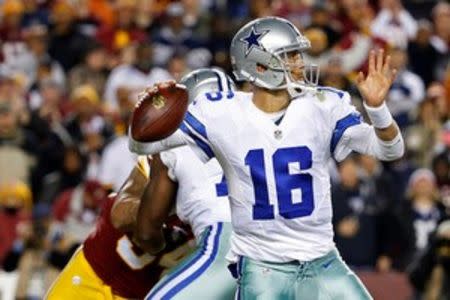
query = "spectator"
x=87 y=127
x=28 y=258
x=38 y=65
x=66 y=44
x=354 y=16
x=15 y=215
x=422 y=137
x=85 y=119
x=321 y=18
x=125 y=31
x=19 y=150
x=113 y=171
x=436 y=92
x=421 y=214
x=102 y=11
x=354 y=217
x=334 y=76
x=441 y=169
x=91 y=71
x=219 y=42
x=430 y=274
x=68 y=176
x=320 y=52
x=350 y=58
x=441 y=39
x=394 y=24
x=406 y=92
x=12 y=46
x=75 y=212
x=177 y=67
x=45 y=123
x=35 y=273
x=35 y=13
x=374 y=173
x=425 y=55
x=174 y=37
x=126 y=81
x=197 y=18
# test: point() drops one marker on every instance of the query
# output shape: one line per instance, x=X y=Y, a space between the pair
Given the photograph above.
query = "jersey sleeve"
x=351 y=133
x=194 y=127
x=344 y=116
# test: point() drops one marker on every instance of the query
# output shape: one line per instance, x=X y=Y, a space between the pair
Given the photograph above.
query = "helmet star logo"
x=252 y=40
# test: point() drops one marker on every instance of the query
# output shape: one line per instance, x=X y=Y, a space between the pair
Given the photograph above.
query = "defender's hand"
x=375 y=86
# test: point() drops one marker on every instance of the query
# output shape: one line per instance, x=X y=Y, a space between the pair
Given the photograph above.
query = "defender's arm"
x=157 y=202
x=124 y=210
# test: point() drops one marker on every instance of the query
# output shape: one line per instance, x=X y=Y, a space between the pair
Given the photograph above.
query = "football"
x=159 y=113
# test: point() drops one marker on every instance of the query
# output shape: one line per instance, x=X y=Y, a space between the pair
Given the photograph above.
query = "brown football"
x=159 y=114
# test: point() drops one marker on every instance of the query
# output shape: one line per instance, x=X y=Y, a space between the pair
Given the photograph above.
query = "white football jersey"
x=277 y=175
x=202 y=191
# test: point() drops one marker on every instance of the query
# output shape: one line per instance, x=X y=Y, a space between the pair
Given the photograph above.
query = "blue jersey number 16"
x=285 y=183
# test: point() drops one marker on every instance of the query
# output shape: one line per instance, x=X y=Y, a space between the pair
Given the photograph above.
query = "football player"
x=200 y=194
x=274 y=146
x=109 y=265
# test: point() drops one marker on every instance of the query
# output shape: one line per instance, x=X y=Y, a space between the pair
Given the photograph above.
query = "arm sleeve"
x=196 y=135
x=352 y=134
x=363 y=139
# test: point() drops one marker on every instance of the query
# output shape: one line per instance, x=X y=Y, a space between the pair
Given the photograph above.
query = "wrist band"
x=379 y=116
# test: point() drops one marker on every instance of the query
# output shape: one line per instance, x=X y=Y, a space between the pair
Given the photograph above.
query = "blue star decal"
x=252 y=40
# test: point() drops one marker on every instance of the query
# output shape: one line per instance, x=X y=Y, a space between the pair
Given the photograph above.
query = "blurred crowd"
x=70 y=73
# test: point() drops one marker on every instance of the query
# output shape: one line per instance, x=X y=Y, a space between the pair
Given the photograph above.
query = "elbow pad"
x=388 y=150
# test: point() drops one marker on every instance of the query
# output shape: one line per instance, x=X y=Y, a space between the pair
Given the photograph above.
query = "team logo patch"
x=253 y=40
x=158 y=101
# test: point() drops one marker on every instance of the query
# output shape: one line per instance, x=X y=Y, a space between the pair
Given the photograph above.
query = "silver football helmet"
x=267 y=43
x=210 y=81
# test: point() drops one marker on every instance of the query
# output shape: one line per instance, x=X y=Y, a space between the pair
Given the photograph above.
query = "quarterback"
x=274 y=145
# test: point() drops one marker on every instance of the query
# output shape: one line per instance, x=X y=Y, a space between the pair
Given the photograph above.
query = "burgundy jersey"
x=123 y=266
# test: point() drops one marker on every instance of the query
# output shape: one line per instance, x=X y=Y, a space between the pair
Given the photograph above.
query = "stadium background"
x=69 y=75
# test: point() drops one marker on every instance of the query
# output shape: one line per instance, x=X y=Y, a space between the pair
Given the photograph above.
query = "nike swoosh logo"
x=327 y=264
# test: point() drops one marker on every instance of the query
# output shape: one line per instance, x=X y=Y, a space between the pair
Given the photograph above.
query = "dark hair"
x=92 y=46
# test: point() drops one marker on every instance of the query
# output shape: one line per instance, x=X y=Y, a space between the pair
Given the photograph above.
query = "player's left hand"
x=375 y=86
